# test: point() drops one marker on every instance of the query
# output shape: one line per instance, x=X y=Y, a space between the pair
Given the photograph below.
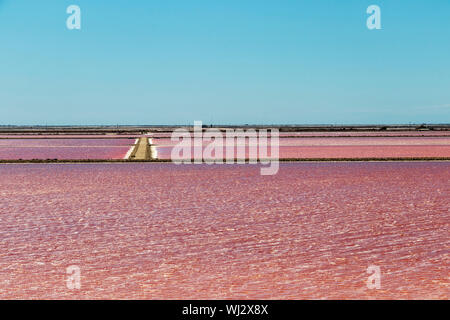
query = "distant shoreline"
x=142 y=129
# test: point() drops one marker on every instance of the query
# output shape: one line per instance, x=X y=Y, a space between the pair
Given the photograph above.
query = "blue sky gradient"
x=234 y=61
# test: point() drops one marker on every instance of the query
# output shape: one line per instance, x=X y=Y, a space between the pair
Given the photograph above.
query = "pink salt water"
x=161 y=231
x=339 y=147
x=437 y=133
x=63 y=149
x=367 y=134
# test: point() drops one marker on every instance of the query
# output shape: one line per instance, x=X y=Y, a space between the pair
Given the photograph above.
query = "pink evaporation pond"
x=335 y=148
x=162 y=231
x=67 y=136
x=161 y=134
x=365 y=134
x=346 y=134
x=64 y=149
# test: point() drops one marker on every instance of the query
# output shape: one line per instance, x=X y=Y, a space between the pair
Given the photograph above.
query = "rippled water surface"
x=162 y=231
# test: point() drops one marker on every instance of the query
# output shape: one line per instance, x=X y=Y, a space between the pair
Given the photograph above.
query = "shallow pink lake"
x=11 y=149
x=161 y=231
x=365 y=133
x=67 y=136
x=282 y=134
x=335 y=148
x=347 y=134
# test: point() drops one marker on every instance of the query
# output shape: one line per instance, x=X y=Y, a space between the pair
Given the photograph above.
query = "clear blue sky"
x=224 y=61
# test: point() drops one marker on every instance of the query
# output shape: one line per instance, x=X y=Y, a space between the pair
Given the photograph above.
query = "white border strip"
x=154 y=152
x=131 y=150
